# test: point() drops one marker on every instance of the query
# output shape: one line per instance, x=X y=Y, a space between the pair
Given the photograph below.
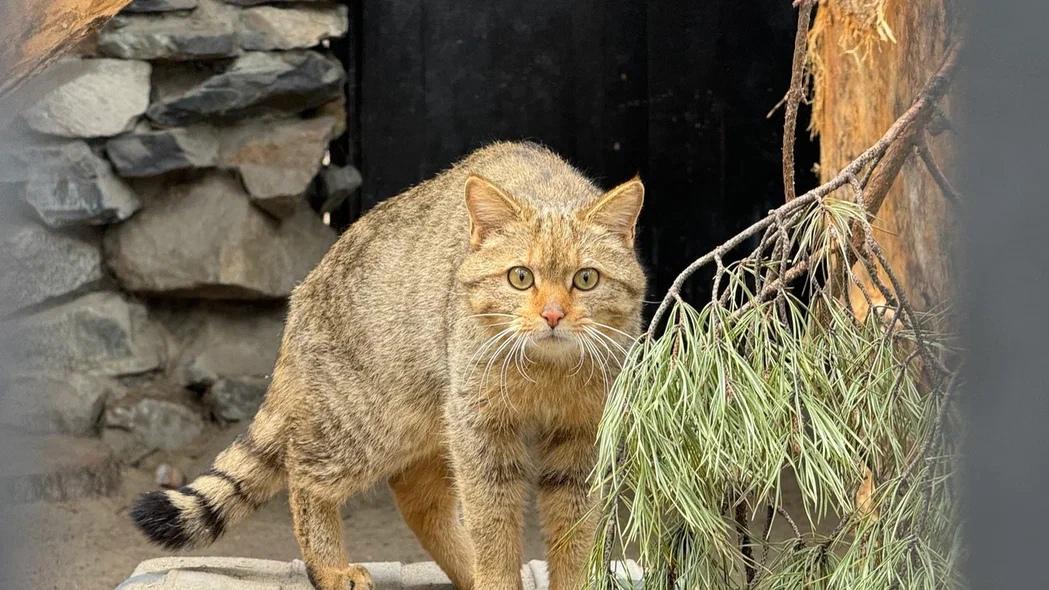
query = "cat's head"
x=559 y=284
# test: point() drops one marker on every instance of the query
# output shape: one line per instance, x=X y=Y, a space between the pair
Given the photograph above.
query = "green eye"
x=520 y=278
x=586 y=279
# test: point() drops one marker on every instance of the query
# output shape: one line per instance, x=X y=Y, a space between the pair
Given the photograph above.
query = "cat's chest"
x=552 y=396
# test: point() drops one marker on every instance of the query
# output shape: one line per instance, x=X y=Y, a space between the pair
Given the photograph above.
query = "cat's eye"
x=520 y=278
x=585 y=279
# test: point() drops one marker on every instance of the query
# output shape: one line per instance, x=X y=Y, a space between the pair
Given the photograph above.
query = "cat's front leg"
x=566 y=507
x=492 y=471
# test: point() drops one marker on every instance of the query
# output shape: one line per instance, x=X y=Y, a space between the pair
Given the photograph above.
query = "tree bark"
x=866 y=77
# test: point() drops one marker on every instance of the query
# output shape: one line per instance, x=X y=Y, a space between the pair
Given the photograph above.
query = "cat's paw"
x=358 y=578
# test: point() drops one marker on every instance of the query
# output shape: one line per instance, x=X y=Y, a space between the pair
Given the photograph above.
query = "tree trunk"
x=871 y=57
x=33 y=33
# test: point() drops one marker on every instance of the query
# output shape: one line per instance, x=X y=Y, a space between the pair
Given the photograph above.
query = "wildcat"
x=457 y=341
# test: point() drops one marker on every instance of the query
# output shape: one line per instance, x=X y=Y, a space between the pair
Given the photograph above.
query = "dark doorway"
x=675 y=90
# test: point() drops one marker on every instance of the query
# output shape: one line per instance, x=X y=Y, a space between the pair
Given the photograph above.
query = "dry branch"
x=887 y=156
x=794 y=95
x=934 y=169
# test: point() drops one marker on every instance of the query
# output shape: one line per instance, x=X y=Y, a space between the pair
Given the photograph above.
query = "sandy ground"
x=90 y=544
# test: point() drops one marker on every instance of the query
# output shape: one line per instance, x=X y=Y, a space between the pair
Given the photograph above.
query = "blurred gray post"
x=1005 y=292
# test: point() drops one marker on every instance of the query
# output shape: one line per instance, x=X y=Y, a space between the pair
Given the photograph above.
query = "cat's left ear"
x=618 y=209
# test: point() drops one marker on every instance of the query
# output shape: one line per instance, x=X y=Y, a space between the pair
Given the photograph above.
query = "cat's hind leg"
x=318 y=529
x=425 y=495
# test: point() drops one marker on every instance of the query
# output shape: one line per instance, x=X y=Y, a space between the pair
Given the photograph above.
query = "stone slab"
x=237 y=573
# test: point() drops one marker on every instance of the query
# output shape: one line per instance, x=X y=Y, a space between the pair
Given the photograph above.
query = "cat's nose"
x=552 y=313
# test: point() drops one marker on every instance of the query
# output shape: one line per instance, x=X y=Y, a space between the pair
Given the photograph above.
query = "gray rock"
x=269 y=27
x=236 y=399
x=336 y=109
x=337 y=183
x=159 y=5
x=169 y=477
x=204 y=239
x=156 y=423
x=68 y=184
x=70 y=404
x=150 y=153
x=254 y=83
x=125 y=446
x=102 y=98
x=208 y=32
x=257 y=2
x=38 y=264
x=99 y=333
x=277 y=159
x=58 y=468
x=217 y=341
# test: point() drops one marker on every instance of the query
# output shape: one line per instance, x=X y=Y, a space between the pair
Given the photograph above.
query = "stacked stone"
x=158 y=219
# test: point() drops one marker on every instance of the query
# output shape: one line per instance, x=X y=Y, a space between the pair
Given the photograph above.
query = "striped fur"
x=407 y=357
x=241 y=480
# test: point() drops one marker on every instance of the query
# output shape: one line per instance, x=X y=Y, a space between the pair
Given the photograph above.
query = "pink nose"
x=552 y=313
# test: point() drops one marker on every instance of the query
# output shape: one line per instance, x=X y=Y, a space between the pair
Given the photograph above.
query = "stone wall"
x=157 y=218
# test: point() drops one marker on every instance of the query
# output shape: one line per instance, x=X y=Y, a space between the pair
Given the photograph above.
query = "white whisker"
x=607 y=338
x=585 y=341
x=616 y=330
x=488 y=343
x=606 y=342
x=502 y=373
x=582 y=359
x=492 y=359
x=603 y=363
x=522 y=355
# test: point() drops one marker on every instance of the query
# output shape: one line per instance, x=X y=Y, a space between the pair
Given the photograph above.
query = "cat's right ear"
x=490 y=208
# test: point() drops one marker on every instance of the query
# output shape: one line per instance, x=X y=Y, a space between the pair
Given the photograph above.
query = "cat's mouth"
x=554 y=344
x=551 y=335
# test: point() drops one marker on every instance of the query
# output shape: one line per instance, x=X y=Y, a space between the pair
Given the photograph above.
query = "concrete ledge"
x=239 y=573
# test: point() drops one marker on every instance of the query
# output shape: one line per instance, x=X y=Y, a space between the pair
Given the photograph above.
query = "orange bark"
x=862 y=87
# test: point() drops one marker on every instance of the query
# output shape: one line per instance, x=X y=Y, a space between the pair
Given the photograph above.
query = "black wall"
x=677 y=91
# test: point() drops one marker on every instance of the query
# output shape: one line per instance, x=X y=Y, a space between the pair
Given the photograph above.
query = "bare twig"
x=937 y=173
x=793 y=525
x=794 y=95
x=744 y=541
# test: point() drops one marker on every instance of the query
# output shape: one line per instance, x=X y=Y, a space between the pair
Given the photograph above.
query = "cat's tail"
x=243 y=477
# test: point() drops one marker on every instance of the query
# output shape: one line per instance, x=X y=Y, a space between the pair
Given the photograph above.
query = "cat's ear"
x=618 y=209
x=490 y=208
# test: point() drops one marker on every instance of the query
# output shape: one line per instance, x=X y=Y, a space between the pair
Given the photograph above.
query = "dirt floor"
x=90 y=544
